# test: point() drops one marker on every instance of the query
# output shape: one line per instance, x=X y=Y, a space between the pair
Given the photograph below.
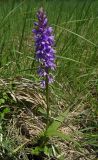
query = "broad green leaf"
x=66 y=137
x=6 y=110
x=37 y=150
x=62 y=136
x=52 y=129
x=2 y=114
x=46 y=151
x=2 y=101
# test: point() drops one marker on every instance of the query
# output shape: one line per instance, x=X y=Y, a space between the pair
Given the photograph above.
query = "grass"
x=76 y=41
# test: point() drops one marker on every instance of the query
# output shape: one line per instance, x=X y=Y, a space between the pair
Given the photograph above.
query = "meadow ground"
x=75 y=90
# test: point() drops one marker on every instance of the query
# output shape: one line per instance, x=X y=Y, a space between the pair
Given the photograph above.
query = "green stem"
x=47 y=110
x=47 y=102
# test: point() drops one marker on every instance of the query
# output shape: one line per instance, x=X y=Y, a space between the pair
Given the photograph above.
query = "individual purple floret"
x=44 y=42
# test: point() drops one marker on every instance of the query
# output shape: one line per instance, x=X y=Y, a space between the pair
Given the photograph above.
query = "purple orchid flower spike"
x=44 y=51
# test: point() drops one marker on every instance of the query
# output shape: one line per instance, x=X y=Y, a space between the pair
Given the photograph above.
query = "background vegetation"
x=75 y=24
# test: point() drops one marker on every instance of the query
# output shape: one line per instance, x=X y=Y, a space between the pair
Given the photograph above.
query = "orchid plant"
x=44 y=54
